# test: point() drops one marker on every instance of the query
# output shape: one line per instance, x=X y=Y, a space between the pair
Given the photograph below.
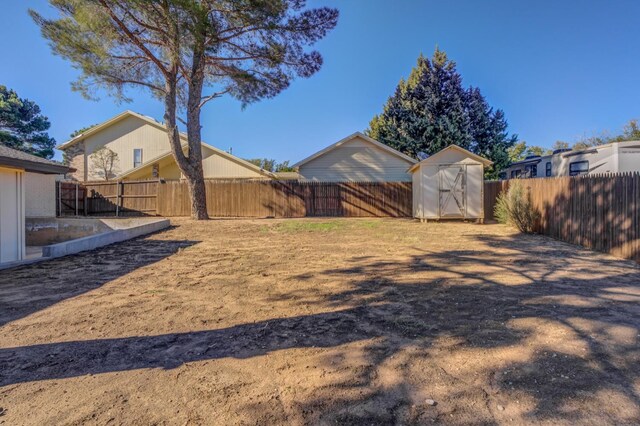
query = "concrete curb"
x=100 y=240
x=91 y=242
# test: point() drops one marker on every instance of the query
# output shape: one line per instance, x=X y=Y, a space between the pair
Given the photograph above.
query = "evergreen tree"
x=22 y=126
x=432 y=110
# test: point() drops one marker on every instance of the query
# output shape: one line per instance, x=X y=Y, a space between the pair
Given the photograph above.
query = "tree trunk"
x=191 y=164
x=194 y=134
x=198 y=198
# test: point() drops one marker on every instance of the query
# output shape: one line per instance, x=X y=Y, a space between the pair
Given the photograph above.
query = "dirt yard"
x=346 y=321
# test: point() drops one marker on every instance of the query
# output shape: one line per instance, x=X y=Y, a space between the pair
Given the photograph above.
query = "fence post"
x=59 y=198
x=117 y=198
x=76 y=199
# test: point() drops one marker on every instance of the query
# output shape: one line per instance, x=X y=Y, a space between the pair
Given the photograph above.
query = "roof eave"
x=36 y=167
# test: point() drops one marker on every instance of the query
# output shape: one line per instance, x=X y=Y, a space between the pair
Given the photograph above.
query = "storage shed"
x=16 y=170
x=449 y=185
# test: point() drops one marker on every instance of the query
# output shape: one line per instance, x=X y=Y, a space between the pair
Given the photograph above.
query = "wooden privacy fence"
x=124 y=198
x=600 y=212
x=290 y=199
x=237 y=198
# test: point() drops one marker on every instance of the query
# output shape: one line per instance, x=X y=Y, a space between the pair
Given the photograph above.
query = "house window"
x=531 y=171
x=578 y=168
x=515 y=174
x=547 y=171
x=137 y=157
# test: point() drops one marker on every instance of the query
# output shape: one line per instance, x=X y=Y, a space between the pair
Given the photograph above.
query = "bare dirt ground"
x=322 y=321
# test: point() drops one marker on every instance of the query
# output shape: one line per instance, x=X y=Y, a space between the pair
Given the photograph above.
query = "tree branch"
x=133 y=38
x=206 y=99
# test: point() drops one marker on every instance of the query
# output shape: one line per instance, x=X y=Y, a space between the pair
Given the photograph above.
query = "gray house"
x=356 y=158
x=616 y=157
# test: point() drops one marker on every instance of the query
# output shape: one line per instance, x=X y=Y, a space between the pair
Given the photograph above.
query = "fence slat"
x=260 y=198
x=600 y=212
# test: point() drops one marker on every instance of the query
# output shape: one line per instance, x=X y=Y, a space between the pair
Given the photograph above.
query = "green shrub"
x=514 y=207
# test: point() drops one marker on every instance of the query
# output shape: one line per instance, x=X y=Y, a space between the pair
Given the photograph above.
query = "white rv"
x=616 y=157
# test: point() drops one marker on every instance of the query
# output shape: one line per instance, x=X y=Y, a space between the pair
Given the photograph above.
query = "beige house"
x=356 y=158
x=143 y=152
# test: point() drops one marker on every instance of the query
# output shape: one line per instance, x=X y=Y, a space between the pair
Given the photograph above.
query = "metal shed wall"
x=427 y=181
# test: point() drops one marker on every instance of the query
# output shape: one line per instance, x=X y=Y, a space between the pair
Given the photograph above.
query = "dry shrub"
x=514 y=207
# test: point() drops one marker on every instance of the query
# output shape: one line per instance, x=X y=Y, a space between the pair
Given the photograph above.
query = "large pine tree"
x=432 y=110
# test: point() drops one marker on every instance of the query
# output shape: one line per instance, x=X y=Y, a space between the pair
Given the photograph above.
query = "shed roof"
x=433 y=159
x=341 y=142
x=31 y=163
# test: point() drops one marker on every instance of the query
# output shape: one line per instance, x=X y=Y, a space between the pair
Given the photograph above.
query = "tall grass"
x=514 y=207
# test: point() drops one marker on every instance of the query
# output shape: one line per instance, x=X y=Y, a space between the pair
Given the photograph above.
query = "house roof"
x=154 y=123
x=351 y=137
x=214 y=149
x=31 y=163
x=433 y=158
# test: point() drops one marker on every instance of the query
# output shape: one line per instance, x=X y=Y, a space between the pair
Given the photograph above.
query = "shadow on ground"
x=425 y=312
x=21 y=295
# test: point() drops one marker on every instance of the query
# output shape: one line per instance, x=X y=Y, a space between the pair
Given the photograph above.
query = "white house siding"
x=357 y=160
x=12 y=227
x=123 y=137
x=40 y=195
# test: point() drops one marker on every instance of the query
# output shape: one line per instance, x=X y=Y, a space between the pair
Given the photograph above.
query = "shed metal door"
x=452 y=191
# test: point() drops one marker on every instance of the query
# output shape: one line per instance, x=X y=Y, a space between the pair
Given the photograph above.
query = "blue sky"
x=559 y=70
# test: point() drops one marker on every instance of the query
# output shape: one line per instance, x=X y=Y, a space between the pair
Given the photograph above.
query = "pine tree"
x=432 y=110
x=22 y=126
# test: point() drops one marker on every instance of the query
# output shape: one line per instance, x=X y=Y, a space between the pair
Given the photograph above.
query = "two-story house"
x=142 y=151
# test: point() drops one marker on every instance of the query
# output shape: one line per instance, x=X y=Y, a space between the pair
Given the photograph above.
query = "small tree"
x=514 y=207
x=271 y=165
x=22 y=126
x=81 y=131
x=560 y=145
x=105 y=162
